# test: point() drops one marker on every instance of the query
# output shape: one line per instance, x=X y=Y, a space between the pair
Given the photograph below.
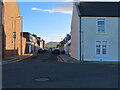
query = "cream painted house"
x=95 y=31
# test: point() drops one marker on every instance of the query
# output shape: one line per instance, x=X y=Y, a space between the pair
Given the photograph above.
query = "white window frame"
x=97 y=25
x=106 y=48
x=96 y=48
x=101 y=48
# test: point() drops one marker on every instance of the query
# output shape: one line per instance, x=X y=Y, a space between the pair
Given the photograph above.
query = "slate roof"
x=102 y=9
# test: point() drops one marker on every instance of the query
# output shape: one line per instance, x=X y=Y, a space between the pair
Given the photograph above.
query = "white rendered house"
x=95 y=31
x=67 y=47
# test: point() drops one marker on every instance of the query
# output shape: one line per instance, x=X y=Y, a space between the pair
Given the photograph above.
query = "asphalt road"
x=62 y=75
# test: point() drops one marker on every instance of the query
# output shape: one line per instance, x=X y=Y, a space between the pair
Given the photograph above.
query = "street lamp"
x=21 y=24
x=14 y=33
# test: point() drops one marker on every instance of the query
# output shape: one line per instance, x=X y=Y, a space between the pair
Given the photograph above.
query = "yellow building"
x=11 y=25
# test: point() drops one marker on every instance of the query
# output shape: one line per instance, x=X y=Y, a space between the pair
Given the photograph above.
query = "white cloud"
x=65 y=7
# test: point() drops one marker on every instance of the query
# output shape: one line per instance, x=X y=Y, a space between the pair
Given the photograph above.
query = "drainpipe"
x=21 y=25
x=81 y=43
x=80 y=36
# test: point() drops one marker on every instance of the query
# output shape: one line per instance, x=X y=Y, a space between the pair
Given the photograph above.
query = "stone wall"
x=0 y=42
x=23 y=45
x=11 y=24
x=1 y=29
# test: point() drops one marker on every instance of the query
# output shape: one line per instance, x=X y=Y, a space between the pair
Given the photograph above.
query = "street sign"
x=67 y=37
x=14 y=36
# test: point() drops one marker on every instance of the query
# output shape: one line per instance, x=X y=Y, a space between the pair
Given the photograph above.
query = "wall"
x=67 y=47
x=75 y=40
x=23 y=45
x=89 y=37
x=10 y=20
x=119 y=38
x=0 y=42
x=1 y=30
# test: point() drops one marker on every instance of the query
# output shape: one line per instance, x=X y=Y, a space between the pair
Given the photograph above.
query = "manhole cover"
x=42 y=79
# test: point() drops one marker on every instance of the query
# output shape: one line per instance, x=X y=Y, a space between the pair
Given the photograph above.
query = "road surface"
x=62 y=75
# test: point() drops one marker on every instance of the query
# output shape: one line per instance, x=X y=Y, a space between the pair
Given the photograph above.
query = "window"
x=104 y=47
x=101 y=47
x=98 y=44
x=101 y=25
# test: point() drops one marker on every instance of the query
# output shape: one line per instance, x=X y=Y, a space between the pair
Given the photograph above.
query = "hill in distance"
x=51 y=44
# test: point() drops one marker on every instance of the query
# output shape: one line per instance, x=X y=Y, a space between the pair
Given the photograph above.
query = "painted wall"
x=119 y=38
x=75 y=25
x=67 y=47
x=90 y=36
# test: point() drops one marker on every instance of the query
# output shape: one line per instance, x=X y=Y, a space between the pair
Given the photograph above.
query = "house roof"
x=102 y=9
x=26 y=33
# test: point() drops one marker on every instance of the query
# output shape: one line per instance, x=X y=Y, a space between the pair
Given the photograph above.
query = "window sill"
x=101 y=56
x=101 y=33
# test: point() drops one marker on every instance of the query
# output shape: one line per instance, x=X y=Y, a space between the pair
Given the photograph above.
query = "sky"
x=48 y=20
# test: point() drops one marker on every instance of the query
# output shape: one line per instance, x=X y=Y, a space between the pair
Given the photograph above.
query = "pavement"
x=65 y=58
x=23 y=74
x=68 y=59
x=16 y=58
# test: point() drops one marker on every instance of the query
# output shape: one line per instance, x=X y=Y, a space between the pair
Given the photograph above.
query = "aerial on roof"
x=102 y=9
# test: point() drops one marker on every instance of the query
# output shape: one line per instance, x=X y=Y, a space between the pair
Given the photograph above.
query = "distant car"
x=41 y=50
x=56 y=51
x=45 y=50
x=53 y=49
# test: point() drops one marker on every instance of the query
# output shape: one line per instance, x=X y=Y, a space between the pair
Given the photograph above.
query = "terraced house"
x=95 y=31
x=10 y=30
x=33 y=43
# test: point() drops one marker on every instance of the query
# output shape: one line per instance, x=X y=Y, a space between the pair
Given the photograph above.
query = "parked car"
x=56 y=51
x=45 y=50
x=41 y=50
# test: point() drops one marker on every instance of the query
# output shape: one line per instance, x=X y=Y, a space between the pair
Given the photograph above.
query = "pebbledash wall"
x=1 y=42
x=11 y=23
x=119 y=38
x=90 y=36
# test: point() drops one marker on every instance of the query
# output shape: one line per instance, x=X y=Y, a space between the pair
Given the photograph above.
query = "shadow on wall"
x=6 y=52
x=9 y=53
x=24 y=49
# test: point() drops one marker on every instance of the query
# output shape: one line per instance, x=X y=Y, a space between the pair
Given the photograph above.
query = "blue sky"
x=49 y=20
